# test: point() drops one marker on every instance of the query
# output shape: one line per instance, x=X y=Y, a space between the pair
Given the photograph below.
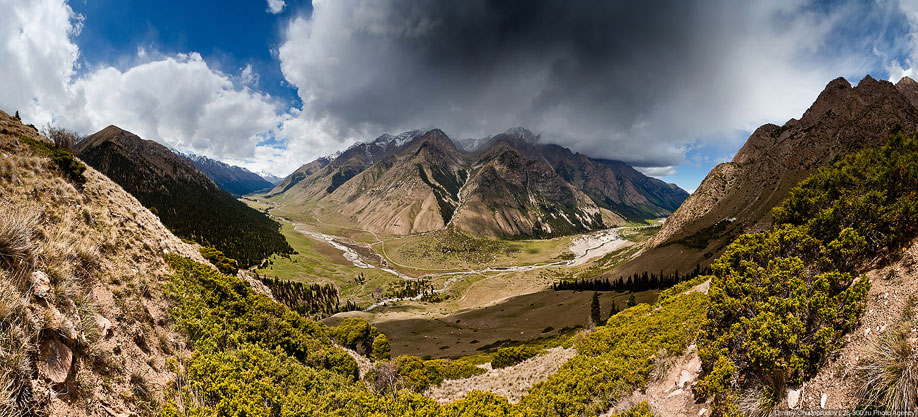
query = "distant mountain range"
x=185 y=199
x=738 y=196
x=232 y=179
x=503 y=185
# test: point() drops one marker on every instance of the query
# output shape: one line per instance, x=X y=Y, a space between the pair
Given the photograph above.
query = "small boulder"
x=793 y=397
x=41 y=284
x=684 y=378
x=105 y=325
x=55 y=360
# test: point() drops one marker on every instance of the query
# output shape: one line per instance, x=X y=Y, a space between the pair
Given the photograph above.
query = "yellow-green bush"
x=354 y=332
x=512 y=355
x=781 y=300
x=224 y=264
x=639 y=410
x=616 y=358
x=381 y=348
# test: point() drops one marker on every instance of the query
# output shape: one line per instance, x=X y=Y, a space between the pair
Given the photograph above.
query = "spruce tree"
x=595 y=311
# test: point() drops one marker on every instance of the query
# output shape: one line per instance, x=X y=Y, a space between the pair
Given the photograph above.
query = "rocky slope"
x=738 y=196
x=186 y=200
x=83 y=318
x=232 y=179
x=414 y=190
x=509 y=185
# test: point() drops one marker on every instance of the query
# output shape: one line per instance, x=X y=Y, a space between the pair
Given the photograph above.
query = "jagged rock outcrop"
x=738 y=196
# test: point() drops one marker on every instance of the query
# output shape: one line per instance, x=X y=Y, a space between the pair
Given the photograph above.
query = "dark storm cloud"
x=631 y=80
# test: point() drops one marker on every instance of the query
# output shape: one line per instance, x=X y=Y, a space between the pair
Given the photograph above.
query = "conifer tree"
x=595 y=311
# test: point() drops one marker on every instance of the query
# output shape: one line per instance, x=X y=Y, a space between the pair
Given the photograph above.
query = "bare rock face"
x=909 y=88
x=793 y=397
x=55 y=360
x=41 y=285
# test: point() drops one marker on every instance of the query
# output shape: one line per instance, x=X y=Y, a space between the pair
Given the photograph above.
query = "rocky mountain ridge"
x=737 y=196
x=511 y=185
x=232 y=179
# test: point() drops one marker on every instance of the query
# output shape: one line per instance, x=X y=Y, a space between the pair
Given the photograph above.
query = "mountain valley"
x=412 y=276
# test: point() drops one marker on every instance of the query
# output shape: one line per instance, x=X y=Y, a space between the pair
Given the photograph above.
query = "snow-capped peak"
x=401 y=139
x=523 y=133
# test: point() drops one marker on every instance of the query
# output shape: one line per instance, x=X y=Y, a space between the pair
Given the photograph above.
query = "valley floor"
x=485 y=292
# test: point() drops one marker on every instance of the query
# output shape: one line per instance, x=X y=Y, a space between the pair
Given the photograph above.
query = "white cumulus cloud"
x=276 y=6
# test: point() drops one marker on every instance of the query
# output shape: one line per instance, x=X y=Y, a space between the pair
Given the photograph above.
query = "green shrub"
x=479 y=404
x=458 y=369
x=221 y=312
x=417 y=374
x=354 y=332
x=225 y=265
x=381 y=348
x=512 y=355
x=639 y=410
x=617 y=358
x=253 y=356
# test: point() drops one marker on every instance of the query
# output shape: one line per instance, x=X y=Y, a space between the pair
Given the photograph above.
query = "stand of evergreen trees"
x=636 y=282
x=410 y=289
x=314 y=300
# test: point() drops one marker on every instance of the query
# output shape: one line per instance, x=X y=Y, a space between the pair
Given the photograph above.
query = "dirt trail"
x=670 y=394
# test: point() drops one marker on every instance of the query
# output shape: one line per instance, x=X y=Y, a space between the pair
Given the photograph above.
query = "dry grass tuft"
x=17 y=229
x=890 y=372
x=18 y=339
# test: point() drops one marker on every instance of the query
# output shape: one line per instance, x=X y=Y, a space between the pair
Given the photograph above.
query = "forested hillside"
x=186 y=201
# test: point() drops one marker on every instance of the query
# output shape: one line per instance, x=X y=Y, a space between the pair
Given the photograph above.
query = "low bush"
x=224 y=264
x=381 y=348
x=616 y=358
x=639 y=410
x=512 y=355
x=253 y=356
x=354 y=332
x=418 y=374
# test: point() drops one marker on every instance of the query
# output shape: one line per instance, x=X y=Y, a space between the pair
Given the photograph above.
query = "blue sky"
x=228 y=34
x=672 y=88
